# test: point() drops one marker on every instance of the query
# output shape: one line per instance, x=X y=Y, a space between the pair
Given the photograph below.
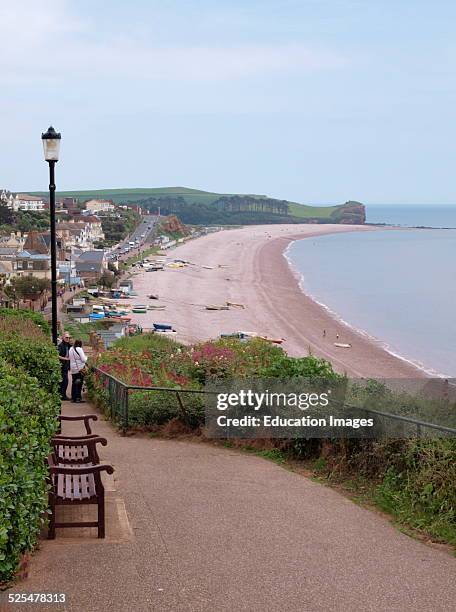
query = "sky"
x=316 y=101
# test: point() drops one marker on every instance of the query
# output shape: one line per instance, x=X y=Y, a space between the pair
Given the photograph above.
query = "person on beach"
x=78 y=360
x=63 y=350
x=324 y=333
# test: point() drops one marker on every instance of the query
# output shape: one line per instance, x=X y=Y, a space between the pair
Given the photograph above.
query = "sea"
x=397 y=287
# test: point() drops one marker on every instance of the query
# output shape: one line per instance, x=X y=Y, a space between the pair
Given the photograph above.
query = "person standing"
x=78 y=360
x=64 y=349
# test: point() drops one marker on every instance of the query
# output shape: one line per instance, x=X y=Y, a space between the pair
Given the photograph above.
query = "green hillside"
x=204 y=207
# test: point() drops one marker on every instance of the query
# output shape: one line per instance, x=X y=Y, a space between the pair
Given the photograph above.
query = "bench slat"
x=76 y=485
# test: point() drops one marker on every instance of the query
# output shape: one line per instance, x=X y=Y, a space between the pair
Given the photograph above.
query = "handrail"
x=177 y=390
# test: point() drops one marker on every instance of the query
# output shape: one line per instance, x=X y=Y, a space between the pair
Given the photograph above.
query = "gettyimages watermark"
x=302 y=408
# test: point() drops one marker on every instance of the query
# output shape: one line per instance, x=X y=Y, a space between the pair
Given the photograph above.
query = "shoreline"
x=422 y=369
x=249 y=266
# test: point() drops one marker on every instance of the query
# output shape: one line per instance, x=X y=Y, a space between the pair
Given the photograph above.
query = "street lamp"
x=51 y=147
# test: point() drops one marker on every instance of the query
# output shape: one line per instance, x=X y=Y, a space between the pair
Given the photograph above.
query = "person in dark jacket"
x=64 y=349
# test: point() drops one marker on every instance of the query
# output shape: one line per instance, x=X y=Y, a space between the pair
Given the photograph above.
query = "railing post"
x=125 y=415
x=182 y=408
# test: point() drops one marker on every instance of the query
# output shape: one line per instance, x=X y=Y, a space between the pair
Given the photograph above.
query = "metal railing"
x=118 y=405
x=118 y=397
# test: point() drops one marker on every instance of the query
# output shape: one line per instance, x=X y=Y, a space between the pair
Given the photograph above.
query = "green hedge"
x=28 y=420
x=29 y=405
x=35 y=356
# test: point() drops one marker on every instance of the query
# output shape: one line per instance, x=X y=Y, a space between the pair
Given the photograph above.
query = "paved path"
x=216 y=530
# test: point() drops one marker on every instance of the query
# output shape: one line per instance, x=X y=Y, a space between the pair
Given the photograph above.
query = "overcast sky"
x=309 y=100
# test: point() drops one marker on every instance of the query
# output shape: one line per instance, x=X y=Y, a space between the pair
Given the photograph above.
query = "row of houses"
x=21 y=201
x=26 y=202
x=31 y=256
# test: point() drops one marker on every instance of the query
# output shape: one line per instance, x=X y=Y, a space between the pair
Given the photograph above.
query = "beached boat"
x=139 y=309
x=234 y=304
x=342 y=344
x=217 y=307
x=163 y=328
x=245 y=335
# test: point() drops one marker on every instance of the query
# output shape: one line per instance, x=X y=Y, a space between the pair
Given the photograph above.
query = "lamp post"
x=51 y=147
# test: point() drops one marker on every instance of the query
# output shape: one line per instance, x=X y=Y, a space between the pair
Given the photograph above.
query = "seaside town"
x=96 y=241
x=150 y=312
x=227 y=341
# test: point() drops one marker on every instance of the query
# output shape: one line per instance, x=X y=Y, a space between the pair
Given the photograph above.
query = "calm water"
x=398 y=286
x=412 y=215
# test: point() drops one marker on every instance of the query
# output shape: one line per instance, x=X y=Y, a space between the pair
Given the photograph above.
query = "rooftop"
x=25 y=196
x=92 y=256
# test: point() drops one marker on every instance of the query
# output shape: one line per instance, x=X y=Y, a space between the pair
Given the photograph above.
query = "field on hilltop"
x=205 y=207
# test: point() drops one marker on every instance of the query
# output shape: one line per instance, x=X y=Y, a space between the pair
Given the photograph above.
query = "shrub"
x=36 y=356
x=30 y=315
x=154 y=360
x=28 y=420
x=306 y=367
x=418 y=489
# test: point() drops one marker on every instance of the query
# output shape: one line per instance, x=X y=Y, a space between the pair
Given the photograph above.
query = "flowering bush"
x=150 y=360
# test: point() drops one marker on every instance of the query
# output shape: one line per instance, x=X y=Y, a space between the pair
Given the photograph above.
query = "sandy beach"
x=247 y=266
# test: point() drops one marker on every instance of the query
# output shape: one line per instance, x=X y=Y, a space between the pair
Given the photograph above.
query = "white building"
x=23 y=201
x=99 y=205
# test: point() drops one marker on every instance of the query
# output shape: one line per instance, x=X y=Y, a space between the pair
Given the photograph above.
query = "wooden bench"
x=76 y=485
x=77 y=451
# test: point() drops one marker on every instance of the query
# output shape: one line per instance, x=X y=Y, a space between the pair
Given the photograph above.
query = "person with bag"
x=64 y=350
x=78 y=369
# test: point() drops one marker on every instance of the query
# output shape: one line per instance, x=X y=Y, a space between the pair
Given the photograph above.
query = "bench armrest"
x=83 y=441
x=56 y=469
x=84 y=417
x=82 y=438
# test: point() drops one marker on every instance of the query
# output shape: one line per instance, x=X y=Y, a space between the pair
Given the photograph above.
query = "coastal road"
x=146 y=226
x=214 y=529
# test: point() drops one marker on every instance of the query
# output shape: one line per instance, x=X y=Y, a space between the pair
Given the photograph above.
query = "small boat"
x=208 y=267
x=156 y=307
x=163 y=328
x=153 y=296
x=245 y=335
x=139 y=309
x=216 y=307
x=342 y=345
x=235 y=305
x=155 y=268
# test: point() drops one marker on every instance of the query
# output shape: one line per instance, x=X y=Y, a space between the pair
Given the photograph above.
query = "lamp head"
x=51 y=144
